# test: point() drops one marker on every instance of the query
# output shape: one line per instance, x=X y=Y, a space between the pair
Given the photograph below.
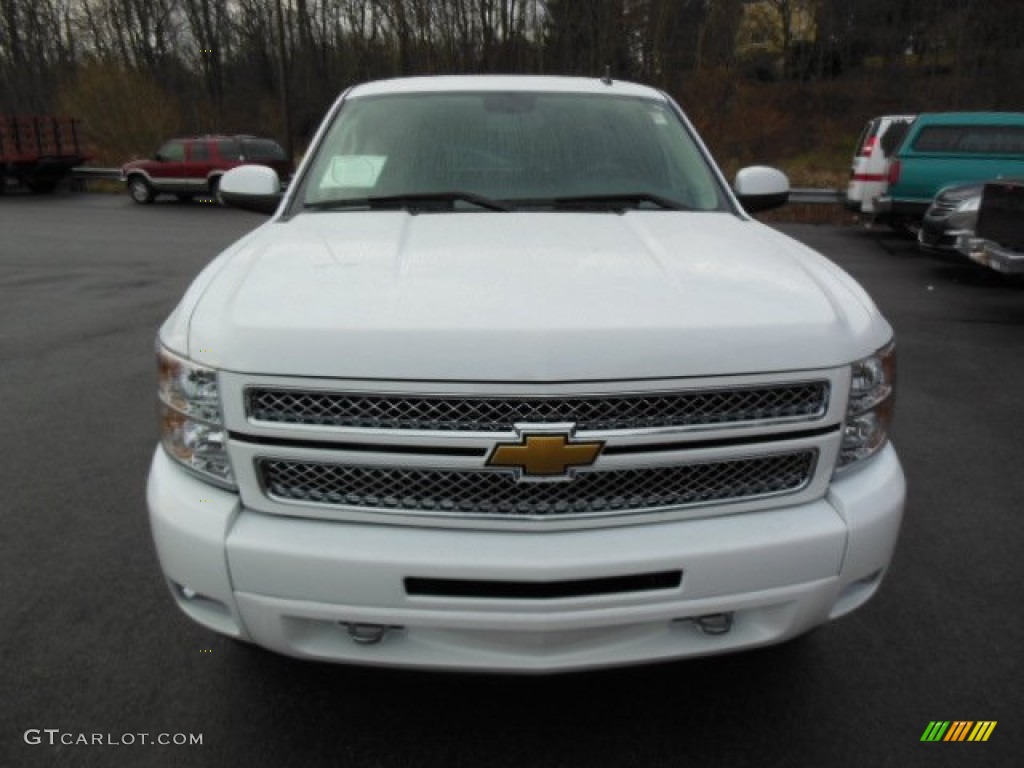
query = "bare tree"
x=208 y=23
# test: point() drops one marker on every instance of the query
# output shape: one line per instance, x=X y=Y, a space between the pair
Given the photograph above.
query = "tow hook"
x=714 y=623
x=367 y=634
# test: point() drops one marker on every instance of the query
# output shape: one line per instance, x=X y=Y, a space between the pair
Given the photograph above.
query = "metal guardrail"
x=87 y=172
x=809 y=196
x=802 y=195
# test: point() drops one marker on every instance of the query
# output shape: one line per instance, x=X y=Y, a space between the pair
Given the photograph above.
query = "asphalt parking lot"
x=92 y=644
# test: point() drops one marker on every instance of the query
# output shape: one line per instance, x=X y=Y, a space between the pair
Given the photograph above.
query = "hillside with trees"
x=784 y=81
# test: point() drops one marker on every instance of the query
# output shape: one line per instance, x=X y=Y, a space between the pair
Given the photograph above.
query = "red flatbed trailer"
x=39 y=150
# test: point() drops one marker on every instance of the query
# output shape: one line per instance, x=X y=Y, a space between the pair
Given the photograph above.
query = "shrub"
x=126 y=113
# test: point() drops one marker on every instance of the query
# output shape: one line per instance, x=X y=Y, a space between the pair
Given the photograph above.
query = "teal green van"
x=940 y=149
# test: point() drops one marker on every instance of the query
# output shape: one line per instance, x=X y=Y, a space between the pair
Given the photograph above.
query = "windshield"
x=524 y=150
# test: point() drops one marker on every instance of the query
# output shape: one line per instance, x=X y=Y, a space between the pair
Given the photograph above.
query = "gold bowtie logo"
x=544 y=455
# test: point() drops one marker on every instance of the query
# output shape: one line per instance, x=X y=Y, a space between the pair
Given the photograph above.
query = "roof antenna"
x=607 y=79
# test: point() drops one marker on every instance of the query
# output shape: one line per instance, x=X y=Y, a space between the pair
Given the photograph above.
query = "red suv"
x=193 y=166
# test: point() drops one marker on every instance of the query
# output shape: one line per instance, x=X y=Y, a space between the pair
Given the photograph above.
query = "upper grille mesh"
x=804 y=400
x=498 y=494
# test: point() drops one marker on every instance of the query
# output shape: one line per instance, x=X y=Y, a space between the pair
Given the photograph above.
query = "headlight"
x=191 y=424
x=969 y=204
x=870 y=407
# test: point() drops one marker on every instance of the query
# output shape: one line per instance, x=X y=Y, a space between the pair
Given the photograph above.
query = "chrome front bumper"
x=991 y=255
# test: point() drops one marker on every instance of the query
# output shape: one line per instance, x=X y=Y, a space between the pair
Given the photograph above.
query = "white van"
x=867 y=172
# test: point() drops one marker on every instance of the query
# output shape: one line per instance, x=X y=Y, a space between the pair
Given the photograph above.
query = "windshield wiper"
x=620 y=201
x=410 y=201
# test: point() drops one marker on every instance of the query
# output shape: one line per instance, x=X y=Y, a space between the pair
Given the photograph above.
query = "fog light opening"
x=367 y=634
x=714 y=623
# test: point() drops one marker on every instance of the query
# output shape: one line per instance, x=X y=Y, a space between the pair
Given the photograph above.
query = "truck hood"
x=481 y=296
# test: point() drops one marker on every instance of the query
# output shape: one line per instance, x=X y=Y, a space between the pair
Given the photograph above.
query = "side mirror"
x=760 y=188
x=252 y=187
x=158 y=157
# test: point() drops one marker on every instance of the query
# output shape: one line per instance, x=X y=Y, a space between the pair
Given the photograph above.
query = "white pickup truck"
x=512 y=381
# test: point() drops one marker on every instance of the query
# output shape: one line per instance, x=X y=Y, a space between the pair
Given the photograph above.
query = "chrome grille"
x=794 y=401
x=498 y=494
x=944 y=205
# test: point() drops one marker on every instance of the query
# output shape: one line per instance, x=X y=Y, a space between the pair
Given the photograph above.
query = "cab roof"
x=535 y=83
x=971 y=118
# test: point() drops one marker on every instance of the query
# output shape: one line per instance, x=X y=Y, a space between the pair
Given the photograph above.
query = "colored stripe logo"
x=958 y=730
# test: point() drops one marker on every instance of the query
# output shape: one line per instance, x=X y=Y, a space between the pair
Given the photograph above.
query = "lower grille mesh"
x=498 y=494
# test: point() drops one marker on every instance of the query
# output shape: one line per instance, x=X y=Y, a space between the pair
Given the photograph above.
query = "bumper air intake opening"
x=543 y=590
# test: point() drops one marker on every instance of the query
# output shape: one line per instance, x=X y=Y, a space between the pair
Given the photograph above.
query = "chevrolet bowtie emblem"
x=544 y=456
